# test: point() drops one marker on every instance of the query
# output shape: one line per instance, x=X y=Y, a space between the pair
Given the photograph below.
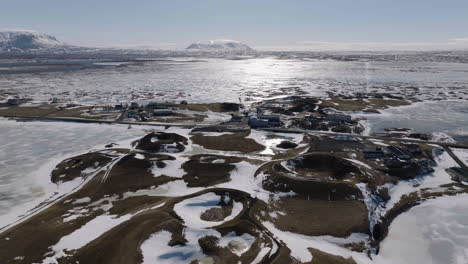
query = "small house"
x=313 y=118
x=157 y=112
x=399 y=152
x=236 y=118
x=119 y=107
x=339 y=118
x=378 y=153
x=154 y=105
x=256 y=121
x=132 y=114
x=414 y=149
x=71 y=105
x=458 y=174
x=134 y=105
x=16 y=101
x=270 y=118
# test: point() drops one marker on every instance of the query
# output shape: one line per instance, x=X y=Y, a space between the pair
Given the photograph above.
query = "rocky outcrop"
x=160 y=142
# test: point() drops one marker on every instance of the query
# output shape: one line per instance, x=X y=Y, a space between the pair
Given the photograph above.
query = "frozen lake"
x=215 y=80
x=30 y=150
x=440 y=117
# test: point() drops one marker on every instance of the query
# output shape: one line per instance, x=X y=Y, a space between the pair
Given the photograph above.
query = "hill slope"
x=26 y=40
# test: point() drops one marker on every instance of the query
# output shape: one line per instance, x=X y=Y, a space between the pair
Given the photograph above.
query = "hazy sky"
x=262 y=24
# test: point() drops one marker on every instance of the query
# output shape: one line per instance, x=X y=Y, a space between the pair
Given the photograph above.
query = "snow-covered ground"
x=34 y=148
x=30 y=150
x=299 y=244
x=462 y=154
x=434 y=232
x=433 y=180
x=190 y=210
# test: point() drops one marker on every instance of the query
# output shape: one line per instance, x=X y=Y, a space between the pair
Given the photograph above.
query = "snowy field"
x=30 y=150
x=434 y=232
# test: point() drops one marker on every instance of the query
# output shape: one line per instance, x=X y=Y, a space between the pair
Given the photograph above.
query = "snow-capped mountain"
x=27 y=43
x=27 y=40
x=219 y=45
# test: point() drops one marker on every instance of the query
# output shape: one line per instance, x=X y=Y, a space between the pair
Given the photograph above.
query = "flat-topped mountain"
x=27 y=40
x=219 y=45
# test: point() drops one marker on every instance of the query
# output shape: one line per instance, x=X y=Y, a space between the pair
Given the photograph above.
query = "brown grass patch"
x=78 y=112
x=213 y=107
x=228 y=142
x=201 y=171
x=372 y=105
x=320 y=257
x=344 y=104
x=381 y=103
x=72 y=168
x=37 y=111
x=321 y=217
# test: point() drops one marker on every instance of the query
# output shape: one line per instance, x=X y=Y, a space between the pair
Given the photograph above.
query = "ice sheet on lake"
x=32 y=149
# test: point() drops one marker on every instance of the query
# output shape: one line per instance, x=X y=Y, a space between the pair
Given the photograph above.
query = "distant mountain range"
x=28 y=44
x=32 y=42
x=220 y=45
x=26 y=40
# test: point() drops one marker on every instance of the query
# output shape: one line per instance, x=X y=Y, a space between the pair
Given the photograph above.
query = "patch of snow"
x=139 y=156
x=156 y=249
x=173 y=168
x=190 y=210
x=442 y=137
x=360 y=163
x=237 y=244
x=462 y=154
x=242 y=178
x=82 y=200
x=432 y=232
x=87 y=233
x=261 y=255
x=300 y=244
x=35 y=192
x=433 y=180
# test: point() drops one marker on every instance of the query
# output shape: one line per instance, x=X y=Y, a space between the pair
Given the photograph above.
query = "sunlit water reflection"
x=251 y=79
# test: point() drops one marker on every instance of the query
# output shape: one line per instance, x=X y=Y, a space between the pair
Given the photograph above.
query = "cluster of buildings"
x=17 y=101
x=329 y=121
x=335 y=121
x=259 y=119
x=256 y=119
x=405 y=161
x=332 y=119
x=143 y=113
x=458 y=174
